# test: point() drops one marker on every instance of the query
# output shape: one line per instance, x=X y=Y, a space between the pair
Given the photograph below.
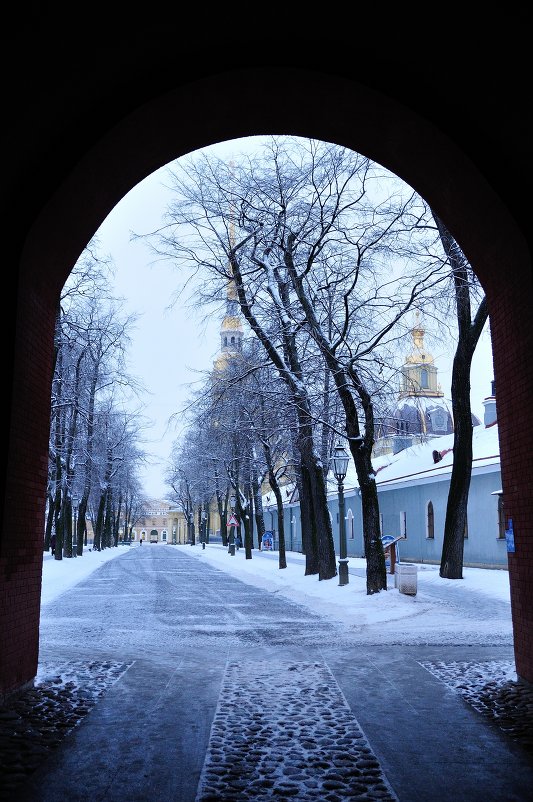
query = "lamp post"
x=293 y=524
x=204 y=524
x=231 y=540
x=339 y=461
x=75 y=502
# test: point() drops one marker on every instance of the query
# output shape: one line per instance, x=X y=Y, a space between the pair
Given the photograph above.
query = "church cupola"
x=231 y=330
x=419 y=374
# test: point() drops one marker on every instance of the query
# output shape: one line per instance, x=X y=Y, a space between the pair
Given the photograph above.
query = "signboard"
x=387 y=540
x=509 y=536
x=233 y=521
x=268 y=541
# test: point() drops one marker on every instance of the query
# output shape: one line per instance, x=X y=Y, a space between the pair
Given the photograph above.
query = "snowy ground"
x=472 y=610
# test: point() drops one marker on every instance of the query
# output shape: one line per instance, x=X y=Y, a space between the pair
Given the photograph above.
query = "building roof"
x=413 y=465
x=416 y=463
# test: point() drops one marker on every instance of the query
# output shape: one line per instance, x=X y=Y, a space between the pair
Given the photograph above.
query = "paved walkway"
x=219 y=690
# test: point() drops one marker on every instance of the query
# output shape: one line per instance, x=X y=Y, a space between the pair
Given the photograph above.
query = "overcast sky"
x=170 y=348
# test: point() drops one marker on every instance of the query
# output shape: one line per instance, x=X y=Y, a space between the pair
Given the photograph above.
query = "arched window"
x=424 y=380
x=430 y=522
x=349 y=525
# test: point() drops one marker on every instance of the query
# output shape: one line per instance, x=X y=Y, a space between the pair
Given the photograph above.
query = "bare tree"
x=90 y=339
x=469 y=332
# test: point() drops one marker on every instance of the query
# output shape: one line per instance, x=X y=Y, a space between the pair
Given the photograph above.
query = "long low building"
x=413 y=494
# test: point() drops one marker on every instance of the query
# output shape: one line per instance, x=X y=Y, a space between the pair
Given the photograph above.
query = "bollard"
x=407 y=578
x=232 y=549
x=203 y=544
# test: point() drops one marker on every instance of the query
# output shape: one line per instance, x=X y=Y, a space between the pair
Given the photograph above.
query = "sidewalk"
x=255 y=698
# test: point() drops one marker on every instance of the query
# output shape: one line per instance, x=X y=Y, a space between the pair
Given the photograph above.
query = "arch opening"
x=174 y=124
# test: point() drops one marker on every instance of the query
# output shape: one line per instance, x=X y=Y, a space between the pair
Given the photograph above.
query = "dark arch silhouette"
x=90 y=131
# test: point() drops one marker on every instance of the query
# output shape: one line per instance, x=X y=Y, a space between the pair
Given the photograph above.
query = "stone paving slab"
x=287 y=734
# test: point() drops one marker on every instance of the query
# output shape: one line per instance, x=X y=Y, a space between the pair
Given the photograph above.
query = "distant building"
x=157 y=523
x=413 y=494
x=421 y=411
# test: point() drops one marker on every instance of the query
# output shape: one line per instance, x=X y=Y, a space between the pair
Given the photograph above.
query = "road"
x=221 y=690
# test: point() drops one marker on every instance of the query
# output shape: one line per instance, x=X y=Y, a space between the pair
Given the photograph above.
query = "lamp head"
x=339 y=462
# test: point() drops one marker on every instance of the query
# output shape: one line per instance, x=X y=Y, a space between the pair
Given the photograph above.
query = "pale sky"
x=170 y=348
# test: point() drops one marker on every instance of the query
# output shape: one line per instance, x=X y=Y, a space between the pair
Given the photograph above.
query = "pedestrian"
x=140 y=542
x=53 y=544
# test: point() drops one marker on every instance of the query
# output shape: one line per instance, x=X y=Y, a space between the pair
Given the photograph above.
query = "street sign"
x=233 y=521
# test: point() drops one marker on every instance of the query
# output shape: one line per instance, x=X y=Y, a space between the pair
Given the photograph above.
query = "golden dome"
x=221 y=363
x=231 y=323
x=419 y=354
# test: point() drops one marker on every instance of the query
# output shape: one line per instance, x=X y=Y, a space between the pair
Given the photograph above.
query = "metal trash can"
x=405 y=578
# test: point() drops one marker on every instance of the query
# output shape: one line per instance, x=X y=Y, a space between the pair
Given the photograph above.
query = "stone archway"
x=193 y=116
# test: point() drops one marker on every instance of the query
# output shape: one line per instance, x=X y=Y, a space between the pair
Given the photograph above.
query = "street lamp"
x=231 y=549
x=204 y=524
x=75 y=503
x=339 y=461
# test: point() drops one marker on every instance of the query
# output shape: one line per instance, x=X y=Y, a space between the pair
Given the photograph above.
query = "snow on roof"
x=416 y=462
x=423 y=402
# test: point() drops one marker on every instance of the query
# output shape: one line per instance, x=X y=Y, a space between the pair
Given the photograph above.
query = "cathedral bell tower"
x=419 y=374
x=231 y=331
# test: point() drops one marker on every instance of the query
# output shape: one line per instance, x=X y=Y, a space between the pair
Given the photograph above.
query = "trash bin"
x=405 y=578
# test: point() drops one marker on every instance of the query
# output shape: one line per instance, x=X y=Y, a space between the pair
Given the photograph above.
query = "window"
x=424 y=383
x=403 y=524
x=501 y=519
x=349 y=526
x=430 y=522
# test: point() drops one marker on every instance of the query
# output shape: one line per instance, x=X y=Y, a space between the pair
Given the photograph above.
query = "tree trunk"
x=320 y=521
x=258 y=507
x=274 y=485
x=49 y=523
x=309 y=545
x=451 y=566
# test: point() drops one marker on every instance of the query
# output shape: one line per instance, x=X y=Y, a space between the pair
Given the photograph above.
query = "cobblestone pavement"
x=34 y=723
x=301 y=743
x=298 y=740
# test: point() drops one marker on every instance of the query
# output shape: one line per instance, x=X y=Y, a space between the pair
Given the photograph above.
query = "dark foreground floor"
x=162 y=678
